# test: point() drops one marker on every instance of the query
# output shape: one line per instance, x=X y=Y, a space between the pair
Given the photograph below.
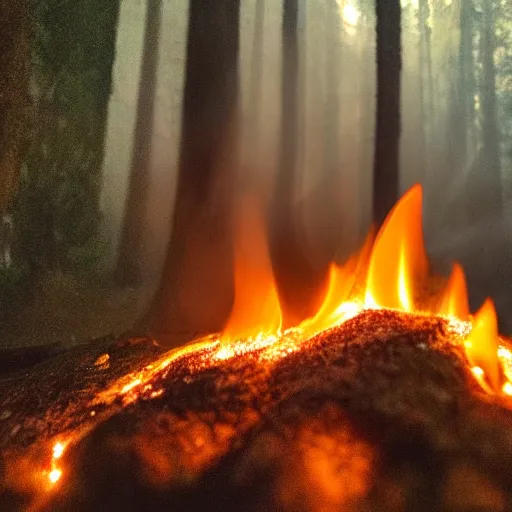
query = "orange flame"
x=331 y=312
x=482 y=346
x=256 y=308
x=455 y=297
x=390 y=271
x=398 y=258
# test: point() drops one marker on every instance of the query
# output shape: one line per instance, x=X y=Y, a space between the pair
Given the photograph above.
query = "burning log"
x=387 y=399
x=380 y=413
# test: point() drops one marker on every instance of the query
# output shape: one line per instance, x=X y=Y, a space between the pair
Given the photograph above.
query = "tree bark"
x=424 y=99
x=294 y=275
x=490 y=158
x=331 y=222
x=131 y=250
x=461 y=129
x=256 y=85
x=387 y=128
x=196 y=287
x=14 y=94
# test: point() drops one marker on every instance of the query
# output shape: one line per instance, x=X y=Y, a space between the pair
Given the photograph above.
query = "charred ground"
x=380 y=413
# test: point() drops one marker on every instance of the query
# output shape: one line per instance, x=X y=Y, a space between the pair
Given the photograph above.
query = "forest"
x=131 y=132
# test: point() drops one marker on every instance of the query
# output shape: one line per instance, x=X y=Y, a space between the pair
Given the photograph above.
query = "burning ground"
x=386 y=399
x=381 y=413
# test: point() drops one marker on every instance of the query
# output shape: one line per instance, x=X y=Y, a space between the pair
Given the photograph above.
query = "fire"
x=455 y=298
x=55 y=472
x=390 y=272
x=256 y=310
x=482 y=345
x=396 y=271
x=398 y=259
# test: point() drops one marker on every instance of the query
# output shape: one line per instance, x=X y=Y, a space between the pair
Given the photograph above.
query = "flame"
x=482 y=346
x=339 y=285
x=393 y=267
x=398 y=258
x=455 y=297
x=55 y=472
x=396 y=270
x=256 y=308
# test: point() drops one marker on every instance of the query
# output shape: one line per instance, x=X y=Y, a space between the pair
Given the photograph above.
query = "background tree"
x=296 y=282
x=332 y=111
x=425 y=91
x=387 y=128
x=14 y=94
x=256 y=85
x=195 y=290
x=130 y=261
x=490 y=157
x=57 y=208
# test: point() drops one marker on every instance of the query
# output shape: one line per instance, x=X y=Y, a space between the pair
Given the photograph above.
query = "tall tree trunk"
x=387 y=128
x=291 y=267
x=195 y=291
x=461 y=128
x=131 y=248
x=327 y=206
x=490 y=158
x=287 y=176
x=426 y=33
x=14 y=94
x=469 y=70
x=256 y=84
x=423 y=92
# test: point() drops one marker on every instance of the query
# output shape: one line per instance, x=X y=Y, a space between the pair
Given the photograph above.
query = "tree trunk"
x=14 y=94
x=293 y=272
x=469 y=69
x=387 y=128
x=331 y=223
x=196 y=288
x=423 y=92
x=462 y=120
x=131 y=248
x=490 y=158
x=256 y=84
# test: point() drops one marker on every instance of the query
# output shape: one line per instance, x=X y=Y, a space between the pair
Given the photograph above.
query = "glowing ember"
x=58 y=450
x=55 y=472
x=54 y=475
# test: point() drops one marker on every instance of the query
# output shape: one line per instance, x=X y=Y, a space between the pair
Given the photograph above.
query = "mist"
x=455 y=140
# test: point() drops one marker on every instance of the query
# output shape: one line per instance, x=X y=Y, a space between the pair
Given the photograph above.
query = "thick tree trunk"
x=294 y=275
x=195 y=290
x=256 y=85
x=327 y=206
x=470 y=81
x=423 y=92
x=14 y=94
x=387 y=128
x=490 y=159
x=131 y=249
x=462 y=120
